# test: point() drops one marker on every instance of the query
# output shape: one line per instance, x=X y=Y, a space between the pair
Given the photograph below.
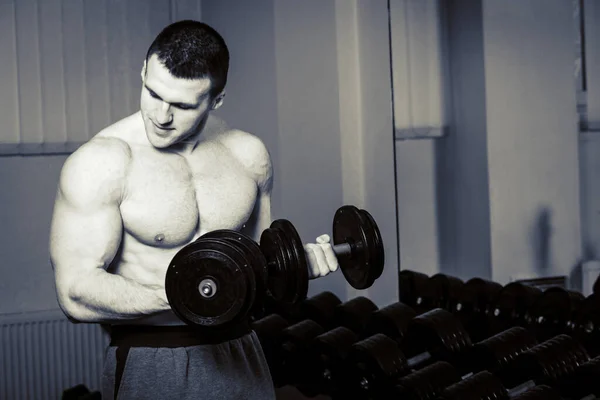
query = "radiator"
x=43 y=353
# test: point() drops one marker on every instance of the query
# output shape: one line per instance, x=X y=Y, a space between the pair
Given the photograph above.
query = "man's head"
x=184 y=77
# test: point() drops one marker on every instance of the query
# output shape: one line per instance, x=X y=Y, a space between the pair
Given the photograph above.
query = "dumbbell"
x=553 y=311
x=510 y=306
x=284 y=341
x=220 y=279
x=378 y=362
x=585 y=325
x=584 y=383
x=473 y=305
x=492 y=355
x=357 y=245
x=375 y=363
x=546 y=363
x=269 y=331
x=424 y=293
x=508 y=361
x=355 y=319
x=484 y=386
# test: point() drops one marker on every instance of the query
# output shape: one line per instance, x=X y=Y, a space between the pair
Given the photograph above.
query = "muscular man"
x=140 y=191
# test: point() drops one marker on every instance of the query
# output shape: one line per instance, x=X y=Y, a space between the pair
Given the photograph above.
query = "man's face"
x=173 y=108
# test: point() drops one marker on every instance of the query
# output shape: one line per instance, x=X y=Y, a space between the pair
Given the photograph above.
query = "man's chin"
x=160 y=142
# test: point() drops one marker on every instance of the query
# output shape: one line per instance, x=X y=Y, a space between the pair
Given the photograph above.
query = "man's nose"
x=164 y=116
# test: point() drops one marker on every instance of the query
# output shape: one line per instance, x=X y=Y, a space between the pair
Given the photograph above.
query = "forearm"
x=102 y=297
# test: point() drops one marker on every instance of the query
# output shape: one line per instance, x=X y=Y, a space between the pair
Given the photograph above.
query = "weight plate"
x=586 y=324
x=280 y=281
x=443 y=291
x=439 y=333
x=509 y=307
x=354 y=314
x=392 y=320
x=551 y=313
x=412 y=285
x=378 y=260
x=348 y=227
x=320 y=308
x=374 y=269
x=373 y=362
x=215 y=265
x=299 y=264
x=253 y=253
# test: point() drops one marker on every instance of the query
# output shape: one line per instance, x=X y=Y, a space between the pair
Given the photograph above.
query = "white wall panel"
x=72 y=67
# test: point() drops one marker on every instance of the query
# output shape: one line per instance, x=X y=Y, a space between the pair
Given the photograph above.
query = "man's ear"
x=218 y=101
x=143 y=73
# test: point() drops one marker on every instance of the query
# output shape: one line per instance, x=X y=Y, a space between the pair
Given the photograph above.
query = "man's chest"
x=170 y=200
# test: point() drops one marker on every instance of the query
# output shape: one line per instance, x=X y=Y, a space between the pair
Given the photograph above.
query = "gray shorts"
x=166 y=363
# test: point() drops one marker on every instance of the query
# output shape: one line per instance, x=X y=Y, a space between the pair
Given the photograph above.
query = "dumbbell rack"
x=444 y=339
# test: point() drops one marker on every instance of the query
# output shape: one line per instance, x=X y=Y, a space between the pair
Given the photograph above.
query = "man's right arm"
x=86 y=233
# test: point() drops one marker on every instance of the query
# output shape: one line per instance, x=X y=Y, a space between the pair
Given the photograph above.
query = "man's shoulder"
x=111 y=144
x=101 y=149
x=96 y=169
x=248 y=149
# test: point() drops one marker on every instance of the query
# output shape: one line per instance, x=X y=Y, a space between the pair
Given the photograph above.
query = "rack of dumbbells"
x=444 y=339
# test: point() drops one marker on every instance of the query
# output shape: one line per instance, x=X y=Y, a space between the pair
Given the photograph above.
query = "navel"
x=159 y=238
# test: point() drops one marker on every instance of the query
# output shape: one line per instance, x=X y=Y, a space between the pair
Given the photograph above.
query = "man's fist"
x=321 y=258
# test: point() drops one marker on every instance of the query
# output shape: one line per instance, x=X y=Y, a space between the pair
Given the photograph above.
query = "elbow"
x=71 y=303
x=70 y=309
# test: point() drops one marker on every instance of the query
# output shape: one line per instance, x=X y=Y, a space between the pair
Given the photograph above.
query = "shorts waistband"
x=172 y=336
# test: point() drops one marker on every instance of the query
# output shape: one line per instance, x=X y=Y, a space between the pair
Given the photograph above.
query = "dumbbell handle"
x=341 y=249
x=418 y=359
x=345 y=249
x=523 y=387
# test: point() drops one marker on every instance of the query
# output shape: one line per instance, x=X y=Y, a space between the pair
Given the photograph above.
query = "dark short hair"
x=192 y=50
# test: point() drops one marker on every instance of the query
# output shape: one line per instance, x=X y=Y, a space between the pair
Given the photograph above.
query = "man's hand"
x=321 y=258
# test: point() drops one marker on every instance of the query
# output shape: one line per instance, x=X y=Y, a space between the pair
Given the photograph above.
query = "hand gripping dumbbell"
x=357 y=245
x=224 y=276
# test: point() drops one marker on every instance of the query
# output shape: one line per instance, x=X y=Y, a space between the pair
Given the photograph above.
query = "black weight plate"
x=551 y=313
x=509 y=307
x=378 y=261
x=320 y=308
x=496 y=353
x=280 y=280
x=439 y=333
x=391 y=320
x=549 y=361
x=254 y=255
x=373 y=362
x=220 y=262
x=586 y=324
x=327 y=355
x=476 y=295
x=354 y=314
x=443 y=291
x=412 y=286
x=374 y=268
x=348 y=227
x=299 y=263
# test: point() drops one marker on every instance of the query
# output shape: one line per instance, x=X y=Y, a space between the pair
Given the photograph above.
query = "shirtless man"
x=137 y=193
